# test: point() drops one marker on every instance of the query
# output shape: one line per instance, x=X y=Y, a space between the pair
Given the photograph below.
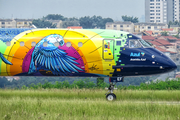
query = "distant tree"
x=131 y=19
x=73 y=19
x=165 y=33
x=176 y=22
x=43 y=24
x=169 y=24
x=65 y=24
x=135 y=20
x=86 y=22
x=94 y=22
x=99 y=22
x=177 y=36
x=3 y=82
x=173 y=23
x=54 y=17
x=104 y=21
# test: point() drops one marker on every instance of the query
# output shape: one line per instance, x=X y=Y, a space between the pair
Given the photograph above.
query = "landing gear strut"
x=110 y=96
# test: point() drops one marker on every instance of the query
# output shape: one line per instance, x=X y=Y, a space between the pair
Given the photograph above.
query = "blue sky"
x=72 y=8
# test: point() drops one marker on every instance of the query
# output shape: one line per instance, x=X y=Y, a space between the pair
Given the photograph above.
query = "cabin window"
x=68 y=44
x=45 y=44
x=21 y=43
x=8 y=43
x=134 y=44
x=56 y=44
x=33 y=44
x=80 y=44
x=118 y=43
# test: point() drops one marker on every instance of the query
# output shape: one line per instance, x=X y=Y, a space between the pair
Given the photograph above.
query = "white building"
x=122 y=26
x=15 y=23
x=161 y=11
x=156 y=28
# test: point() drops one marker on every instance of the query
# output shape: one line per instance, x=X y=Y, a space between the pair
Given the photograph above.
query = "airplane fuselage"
x=79 y=52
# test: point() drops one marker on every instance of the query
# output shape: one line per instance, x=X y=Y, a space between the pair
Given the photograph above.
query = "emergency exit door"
x=108 y=49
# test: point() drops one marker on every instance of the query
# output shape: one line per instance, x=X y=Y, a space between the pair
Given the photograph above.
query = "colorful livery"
x=78 y=52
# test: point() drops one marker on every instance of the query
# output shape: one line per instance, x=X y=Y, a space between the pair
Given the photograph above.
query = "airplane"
x=79 y=53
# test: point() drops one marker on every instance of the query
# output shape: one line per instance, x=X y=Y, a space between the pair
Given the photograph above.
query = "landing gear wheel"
x=111 y=97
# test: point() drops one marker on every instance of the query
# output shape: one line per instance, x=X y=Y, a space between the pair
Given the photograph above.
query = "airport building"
x=162 y=11
x=122 y=26
x=136 y=27
x=156 y=28
x=15 y=23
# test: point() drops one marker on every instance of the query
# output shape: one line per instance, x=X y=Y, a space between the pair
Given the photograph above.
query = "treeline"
x=26 y=81
x=41 y=82
x=158 y=85
x=86 y=83
x=85 y=22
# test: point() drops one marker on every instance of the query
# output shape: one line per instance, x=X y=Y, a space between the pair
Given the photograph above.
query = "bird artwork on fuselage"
x=53 y=58
x=48 y=58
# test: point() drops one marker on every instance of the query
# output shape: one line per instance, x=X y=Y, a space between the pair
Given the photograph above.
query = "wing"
x=55 y=60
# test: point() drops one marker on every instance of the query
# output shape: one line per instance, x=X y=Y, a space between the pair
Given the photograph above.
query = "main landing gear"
x=110 y=96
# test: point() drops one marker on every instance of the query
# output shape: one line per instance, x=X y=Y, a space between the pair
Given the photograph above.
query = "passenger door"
x=108 y=49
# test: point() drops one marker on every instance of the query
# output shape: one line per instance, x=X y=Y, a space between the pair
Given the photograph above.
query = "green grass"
x=88 y=104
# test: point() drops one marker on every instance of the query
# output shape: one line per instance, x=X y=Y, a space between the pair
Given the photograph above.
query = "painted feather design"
x=4 y=59
x=52 y=58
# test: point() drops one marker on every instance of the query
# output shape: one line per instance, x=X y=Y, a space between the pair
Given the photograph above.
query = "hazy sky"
x=71 y=8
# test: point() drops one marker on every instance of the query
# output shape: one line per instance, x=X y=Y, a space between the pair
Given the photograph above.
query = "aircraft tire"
x=111 y=97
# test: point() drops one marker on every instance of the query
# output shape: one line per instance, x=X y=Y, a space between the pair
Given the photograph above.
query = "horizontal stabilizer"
x=4 y=59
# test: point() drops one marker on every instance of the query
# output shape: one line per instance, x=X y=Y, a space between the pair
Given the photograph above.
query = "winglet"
x=4 y=59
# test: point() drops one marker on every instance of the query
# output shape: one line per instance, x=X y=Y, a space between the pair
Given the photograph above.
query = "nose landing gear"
x=110 y=96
